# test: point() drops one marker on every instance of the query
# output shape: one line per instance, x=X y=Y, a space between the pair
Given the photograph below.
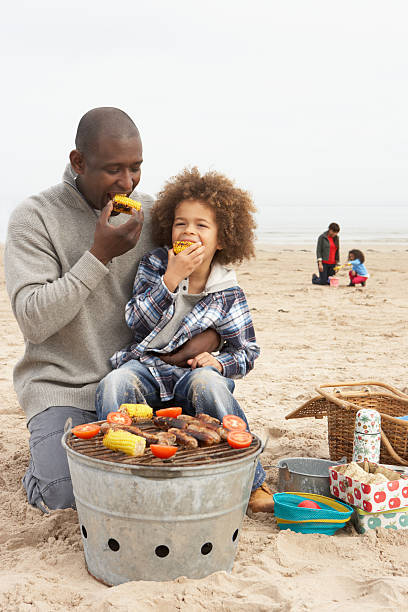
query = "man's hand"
x=111 y=241
x=204 y=359
x=183 y=264
x=320 y=267
x=208 y=340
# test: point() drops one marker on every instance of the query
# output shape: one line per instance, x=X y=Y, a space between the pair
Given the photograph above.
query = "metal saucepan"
x=306 y=474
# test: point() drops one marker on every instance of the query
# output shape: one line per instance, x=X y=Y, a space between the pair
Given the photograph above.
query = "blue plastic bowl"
x=331 y=516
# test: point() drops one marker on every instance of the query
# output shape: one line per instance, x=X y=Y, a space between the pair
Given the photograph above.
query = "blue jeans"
x=47 y=480
x=200 y=390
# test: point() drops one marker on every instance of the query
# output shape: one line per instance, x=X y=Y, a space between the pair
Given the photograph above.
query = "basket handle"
x=333 y=396
x=349 y=405
x=391 y=451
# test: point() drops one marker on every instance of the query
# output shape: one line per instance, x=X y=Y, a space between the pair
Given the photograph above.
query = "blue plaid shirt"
x=151 y=308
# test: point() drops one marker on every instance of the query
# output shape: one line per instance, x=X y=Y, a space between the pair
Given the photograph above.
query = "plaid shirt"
x=151 y=308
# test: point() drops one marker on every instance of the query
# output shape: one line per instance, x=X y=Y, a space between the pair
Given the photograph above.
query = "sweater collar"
x=69 y=177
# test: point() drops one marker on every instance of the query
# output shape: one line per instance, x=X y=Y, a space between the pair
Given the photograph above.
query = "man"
x=70 y=264
x=328 y=254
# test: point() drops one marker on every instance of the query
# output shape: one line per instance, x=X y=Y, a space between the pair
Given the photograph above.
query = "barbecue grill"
x=145 y=518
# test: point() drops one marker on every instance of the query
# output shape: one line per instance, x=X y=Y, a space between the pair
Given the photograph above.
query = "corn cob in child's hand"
x=123 y=204
x=180 y=245
x=124 y=441
x=137 y=411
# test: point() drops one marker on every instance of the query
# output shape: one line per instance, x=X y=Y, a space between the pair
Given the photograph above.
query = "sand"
x=309 y=335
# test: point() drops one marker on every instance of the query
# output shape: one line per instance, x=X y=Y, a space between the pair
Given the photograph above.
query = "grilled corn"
x=137 y=411
x=123 y=204
x=119 y=440
x=180 y=245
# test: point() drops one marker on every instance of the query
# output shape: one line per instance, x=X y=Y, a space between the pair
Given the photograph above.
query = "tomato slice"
x=163 y=452
x=233 y=423
x=239 y=439
x=86 y=431
x=119 y=418
x=169 y=412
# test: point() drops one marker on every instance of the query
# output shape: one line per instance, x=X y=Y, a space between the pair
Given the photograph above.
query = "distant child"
x=177 y=296
x=358 y=273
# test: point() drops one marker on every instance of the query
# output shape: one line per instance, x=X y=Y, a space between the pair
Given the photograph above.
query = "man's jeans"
x=47 y=480
x=200 y=390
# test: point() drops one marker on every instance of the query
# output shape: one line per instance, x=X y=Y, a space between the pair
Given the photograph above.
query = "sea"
x=358 y=224
x=295 y=224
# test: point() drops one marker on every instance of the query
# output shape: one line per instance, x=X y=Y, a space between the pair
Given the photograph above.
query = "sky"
x=302 y=102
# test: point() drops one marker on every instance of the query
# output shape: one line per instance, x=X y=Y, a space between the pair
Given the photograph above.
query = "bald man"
x=70 y=264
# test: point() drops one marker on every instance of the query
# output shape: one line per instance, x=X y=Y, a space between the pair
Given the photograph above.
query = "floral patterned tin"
x=367 y=435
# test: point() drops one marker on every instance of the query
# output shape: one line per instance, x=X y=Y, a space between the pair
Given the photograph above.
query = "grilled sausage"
x=149 y=437
x=167 y=422
x=187 y=418
x=207 y=436
x=183 y=438
x=208 y=419
x=166 y=438
x=214 y=427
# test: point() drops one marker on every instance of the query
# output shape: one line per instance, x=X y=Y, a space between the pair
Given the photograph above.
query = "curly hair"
x=357 y=255
x=233 y=209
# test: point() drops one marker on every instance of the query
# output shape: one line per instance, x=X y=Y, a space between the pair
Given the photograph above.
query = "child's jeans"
x=200 y=390
x=355 y=280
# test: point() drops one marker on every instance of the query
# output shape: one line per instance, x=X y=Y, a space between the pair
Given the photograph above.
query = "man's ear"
x=77 y=161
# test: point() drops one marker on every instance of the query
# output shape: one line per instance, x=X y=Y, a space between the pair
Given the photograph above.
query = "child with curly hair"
x=177 y=296
x=358 y=273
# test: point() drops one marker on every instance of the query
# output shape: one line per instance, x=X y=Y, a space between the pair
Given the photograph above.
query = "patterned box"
x=392 y=519
x=382 y=497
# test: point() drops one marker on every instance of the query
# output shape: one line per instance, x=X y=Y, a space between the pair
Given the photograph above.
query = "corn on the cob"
x=124 y=441
x=137 y=411
x=180 y=245
x=122 y=203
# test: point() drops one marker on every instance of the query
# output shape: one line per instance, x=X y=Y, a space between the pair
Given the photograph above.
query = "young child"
x=177 y=296
x=358 y=273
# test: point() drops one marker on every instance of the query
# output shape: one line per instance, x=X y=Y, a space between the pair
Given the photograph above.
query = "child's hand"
x=183 y=264
x=204 y=359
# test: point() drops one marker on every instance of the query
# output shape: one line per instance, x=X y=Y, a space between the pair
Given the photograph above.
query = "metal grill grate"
x=218 y=453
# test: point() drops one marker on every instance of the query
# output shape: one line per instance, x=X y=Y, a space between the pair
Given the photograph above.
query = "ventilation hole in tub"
x=162 y=551
x=84 y=531
x=206 y=548
x=235 y=535
x=113 y=544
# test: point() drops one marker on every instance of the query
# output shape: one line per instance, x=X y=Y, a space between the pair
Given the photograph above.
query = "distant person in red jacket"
x=328 y=254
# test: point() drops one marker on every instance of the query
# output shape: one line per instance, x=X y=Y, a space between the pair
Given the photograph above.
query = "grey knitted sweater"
x=69 y=306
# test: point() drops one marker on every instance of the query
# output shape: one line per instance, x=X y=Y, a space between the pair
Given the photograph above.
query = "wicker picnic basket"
x=340 y=407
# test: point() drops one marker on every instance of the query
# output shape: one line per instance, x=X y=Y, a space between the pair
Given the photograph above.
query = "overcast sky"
x=301 y=101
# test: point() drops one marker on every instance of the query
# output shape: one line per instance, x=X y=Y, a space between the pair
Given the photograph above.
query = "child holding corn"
x=177 y=296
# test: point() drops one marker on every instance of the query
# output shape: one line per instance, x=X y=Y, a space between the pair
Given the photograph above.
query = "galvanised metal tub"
x=158 y=522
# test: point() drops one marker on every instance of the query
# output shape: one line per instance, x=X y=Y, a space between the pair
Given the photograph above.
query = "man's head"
x=334 y=229
x=108 y=155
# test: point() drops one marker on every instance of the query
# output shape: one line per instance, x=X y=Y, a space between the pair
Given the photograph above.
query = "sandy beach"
x=309 y=335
